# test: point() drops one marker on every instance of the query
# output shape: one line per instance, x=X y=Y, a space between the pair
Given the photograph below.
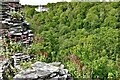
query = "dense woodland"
x=83 y=36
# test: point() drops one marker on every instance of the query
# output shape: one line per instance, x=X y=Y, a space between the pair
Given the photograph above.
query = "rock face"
x=44 y=71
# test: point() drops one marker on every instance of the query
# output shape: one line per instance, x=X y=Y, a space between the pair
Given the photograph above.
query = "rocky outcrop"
x=44 y=71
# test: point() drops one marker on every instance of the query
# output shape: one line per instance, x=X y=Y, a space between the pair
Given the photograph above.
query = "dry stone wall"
x=14 y=28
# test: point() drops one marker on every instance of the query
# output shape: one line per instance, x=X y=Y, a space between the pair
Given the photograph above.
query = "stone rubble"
x=44 y=71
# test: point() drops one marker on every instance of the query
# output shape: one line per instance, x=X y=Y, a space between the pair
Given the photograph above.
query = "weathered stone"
x=53 y=75
x=11 y=24
x=43 y=73
x=25 y=42
x=18 y=59
x=44 y=67
x=17 y=34
x=7 y=19
x=27 y=71
x=30 y=35
x=12 y=32
x=29 y=31
x=54 y=78
x=55 y=63
x=61 y=66
x=17 y=28
x=1 y=77
x=26 y=74
x=1 y=71
x=30 y=76
x=26 y=32
x=25 y=57
x=4 y=22
x=62 y=72
x=16 y=24
x=18 y=67
x=66 y=71
x=18 y=54
x=64 y=77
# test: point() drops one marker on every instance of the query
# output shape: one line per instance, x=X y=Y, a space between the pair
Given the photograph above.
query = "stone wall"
x=14 y=27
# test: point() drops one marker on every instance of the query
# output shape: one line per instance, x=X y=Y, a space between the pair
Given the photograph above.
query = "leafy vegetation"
x=83 y=36
x=15 y=15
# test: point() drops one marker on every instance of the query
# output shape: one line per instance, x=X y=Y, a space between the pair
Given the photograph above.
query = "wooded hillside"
x=83 y=36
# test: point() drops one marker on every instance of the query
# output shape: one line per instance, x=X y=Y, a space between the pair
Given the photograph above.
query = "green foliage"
x=29 y=11
x=87 y=30
x=16 y=15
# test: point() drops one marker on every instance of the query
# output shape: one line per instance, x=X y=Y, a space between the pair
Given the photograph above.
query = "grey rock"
x=62 y=72
x=1 y=71
x=17 y=34
x=54 y=78
x=10 y=23
x=62 y=66
x=18 y=54
x=44 y=66
x=29 y=76
x=18 y=59
x=53 y=75
x=26 y=32
x=12 y=32
x=27 y=71
x=55 y=63
x=64 y=77
x=18 y=67
x=43 y=74
x=66 y=71
x=30 y=35
x=25 y=57
x=69 y=77
x=29 y=31
x=1 y=77
x=25 y=42
x=44 y=71
x=16 y=24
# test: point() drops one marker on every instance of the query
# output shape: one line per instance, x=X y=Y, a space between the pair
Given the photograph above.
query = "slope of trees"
x=84 y=36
